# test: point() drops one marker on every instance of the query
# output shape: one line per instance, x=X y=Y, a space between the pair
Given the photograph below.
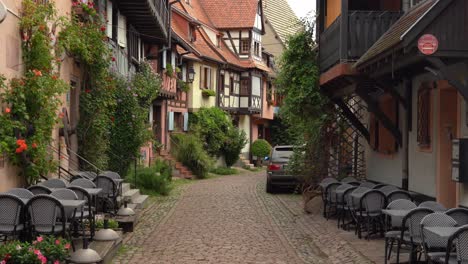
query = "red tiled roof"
x=241 y=12
x=393 y=36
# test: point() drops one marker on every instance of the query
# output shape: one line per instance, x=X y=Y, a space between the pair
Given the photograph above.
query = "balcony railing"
x=149 y=17
x=361 y=30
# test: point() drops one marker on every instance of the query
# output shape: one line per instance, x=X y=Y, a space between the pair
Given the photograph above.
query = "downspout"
x=406 y=128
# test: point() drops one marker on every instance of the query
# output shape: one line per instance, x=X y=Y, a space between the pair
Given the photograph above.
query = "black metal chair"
x=393 y=234
x=21 y=193
x=344 y=207
x=54 y=183
x=459 y=214
x=399 y=194
x=87 y=211
x=370 y=212
x=39 y=189
x=435 y=206
x=83 y=183
x=11 y=217
x=412 y=238
x=43 y=210
x=330 y=199
x=460 y=240
x=108 y=196
x=434 y=246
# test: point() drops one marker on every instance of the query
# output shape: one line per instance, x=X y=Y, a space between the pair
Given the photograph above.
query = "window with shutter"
x=109 y=19
x=424 y=121
x=381 y=139
x=122 y=31
x=170 y=126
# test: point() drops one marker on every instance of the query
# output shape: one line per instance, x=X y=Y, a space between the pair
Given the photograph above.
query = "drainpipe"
x=406 y=128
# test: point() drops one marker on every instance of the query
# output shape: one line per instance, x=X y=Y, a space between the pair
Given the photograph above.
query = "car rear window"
x=282 y=154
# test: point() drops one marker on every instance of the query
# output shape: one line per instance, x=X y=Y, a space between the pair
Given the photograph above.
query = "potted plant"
x=169 y=70
x=183 y=86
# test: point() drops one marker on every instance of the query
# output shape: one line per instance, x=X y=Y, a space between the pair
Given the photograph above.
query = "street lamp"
x=191 y=75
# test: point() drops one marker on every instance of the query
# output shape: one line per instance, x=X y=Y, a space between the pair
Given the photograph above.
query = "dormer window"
x=244 y=46
x=192 y=33
x=257 y=49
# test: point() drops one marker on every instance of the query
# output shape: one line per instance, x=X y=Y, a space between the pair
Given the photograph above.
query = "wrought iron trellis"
x=347 y=148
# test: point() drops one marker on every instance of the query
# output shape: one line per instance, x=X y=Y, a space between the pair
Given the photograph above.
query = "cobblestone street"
x=231 y=219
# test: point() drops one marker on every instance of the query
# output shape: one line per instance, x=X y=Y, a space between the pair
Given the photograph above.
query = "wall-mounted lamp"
x=191 y=75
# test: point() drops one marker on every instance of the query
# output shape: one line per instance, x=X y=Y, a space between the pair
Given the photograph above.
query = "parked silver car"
x=276 y=173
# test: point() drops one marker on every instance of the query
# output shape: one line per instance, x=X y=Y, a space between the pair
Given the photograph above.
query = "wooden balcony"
x=149 y=17
x=169 y=86
x=361 y=30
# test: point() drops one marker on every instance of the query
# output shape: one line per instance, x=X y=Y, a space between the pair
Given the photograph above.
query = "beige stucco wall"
x=422 y=164
x=244 y=124
x=10 y=67
x=195 y=98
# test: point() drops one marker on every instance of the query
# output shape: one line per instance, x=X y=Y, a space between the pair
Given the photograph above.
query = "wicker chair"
x=83 y=183
x=108 y=196
x=340 y=202
x=413 y=237
x=330 y=199
x=387 y=189
x=39 y=189
x=11 y=220
x=66 y=194
x=379 y=186
x=435 y=206
x=54 y=183
x=459 y=214
x=111 y=174
x=460 y=240
x=370 y=212
x=393 y=234
x=399 y=194
x=348 y=179
x=43 y=211
x=431 y=242
x=348 y=207
x=87 y=211
x=367 y=184
x=21 y=193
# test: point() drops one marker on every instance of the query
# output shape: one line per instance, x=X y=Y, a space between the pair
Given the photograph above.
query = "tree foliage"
x=306 y=111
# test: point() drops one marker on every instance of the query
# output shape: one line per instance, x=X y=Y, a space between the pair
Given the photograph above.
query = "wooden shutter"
x=109 y=19
x=208 y=83
x=424 y=117
x=170 y=125
x=387 y=142
x=186 y=119
x=122 y=31
x=202 y=78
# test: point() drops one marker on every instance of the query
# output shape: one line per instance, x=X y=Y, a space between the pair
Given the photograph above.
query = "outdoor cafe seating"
x=430 y=231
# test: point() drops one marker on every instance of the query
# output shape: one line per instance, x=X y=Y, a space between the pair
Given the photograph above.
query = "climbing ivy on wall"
x=31 y=102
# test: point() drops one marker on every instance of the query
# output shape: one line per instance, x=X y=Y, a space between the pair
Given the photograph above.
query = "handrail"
x=79 y=157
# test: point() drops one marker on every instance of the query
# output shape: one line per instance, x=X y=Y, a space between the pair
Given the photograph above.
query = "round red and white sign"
x=428 y=44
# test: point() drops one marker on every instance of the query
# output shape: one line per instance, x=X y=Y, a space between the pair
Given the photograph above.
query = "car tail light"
x=274 y=167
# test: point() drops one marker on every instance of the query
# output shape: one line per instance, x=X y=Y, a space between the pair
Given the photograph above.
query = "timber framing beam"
x=352 y=118
x=448 y=74
x=374 y=108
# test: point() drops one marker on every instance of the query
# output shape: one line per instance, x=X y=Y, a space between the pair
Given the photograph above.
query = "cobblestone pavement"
x=231 y=219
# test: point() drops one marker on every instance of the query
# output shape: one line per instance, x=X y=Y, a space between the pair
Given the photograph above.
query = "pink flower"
x=67 y=246
x=7 y=110
x=56 y=262
x=57 y=242
x=42 y=259
x=39 y=239
x=3 y=262
x=37 y=252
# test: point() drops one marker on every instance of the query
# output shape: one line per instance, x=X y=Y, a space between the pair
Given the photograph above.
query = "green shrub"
x=112 y=224
x=224 y=171
x=260 y=148
x=153 y=180
x=188 y=149
x=235 y=142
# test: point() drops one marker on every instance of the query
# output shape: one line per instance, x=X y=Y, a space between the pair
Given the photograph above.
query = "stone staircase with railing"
x=179 y=170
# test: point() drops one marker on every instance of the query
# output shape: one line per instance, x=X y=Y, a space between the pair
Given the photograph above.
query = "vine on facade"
x=31 y=102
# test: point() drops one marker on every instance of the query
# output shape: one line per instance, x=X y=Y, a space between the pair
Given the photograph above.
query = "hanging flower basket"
x=208 y=93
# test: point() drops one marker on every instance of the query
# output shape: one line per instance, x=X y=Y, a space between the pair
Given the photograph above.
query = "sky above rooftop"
x=302 y=7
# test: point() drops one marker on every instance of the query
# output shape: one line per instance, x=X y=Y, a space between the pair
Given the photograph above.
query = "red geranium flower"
x=7 y=110
x=37 y=72
x=103 y=28
x=87 y=91
x=113 y=58
x=34 y=145
x=61 y=115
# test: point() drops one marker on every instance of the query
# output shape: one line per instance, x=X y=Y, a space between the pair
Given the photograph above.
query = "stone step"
x=125 y=187
x=140 y=201
x=131 y=194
